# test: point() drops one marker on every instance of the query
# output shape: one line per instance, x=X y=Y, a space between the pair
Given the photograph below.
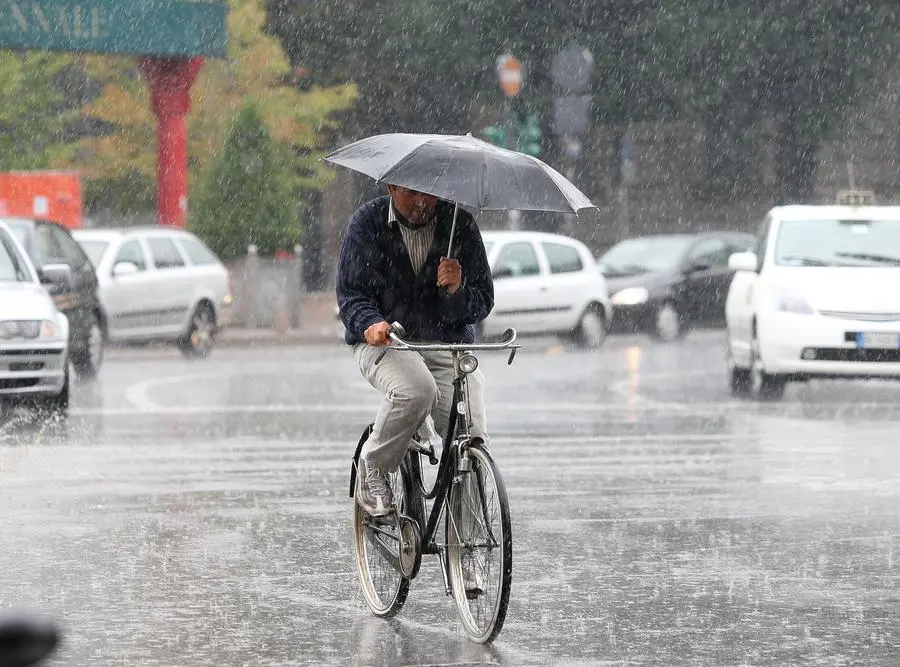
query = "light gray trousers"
x=415 y=385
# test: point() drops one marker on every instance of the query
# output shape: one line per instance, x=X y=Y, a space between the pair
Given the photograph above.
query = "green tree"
x=246 y=197
x=35 y=112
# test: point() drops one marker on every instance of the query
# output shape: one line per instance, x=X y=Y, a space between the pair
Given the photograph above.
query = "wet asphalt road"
x=196 y=513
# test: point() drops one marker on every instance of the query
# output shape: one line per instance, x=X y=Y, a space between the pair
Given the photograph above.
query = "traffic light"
x=528 y=135
x=495 y=135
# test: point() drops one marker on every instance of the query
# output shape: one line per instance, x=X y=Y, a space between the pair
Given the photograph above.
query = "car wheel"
x=87 y=361
x=58 y=405
x=738 y=378
x=667 y=325
x=591 y=330
x=763 y=386
x=198 y=342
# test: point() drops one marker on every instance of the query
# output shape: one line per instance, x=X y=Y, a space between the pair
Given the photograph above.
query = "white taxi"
x=818 y=298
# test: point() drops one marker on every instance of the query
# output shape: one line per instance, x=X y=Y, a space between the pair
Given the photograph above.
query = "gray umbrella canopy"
x=463 y=169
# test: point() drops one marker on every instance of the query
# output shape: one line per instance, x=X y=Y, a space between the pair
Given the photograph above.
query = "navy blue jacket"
x=376 y=282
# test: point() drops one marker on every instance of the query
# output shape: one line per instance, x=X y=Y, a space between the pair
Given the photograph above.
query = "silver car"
x=34 y=335
x=158 y=284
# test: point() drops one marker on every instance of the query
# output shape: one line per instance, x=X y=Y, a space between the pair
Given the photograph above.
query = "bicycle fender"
x=353 y=465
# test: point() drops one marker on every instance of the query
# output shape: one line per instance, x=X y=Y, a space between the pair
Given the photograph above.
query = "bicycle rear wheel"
x=377 y=548
x=479 y=547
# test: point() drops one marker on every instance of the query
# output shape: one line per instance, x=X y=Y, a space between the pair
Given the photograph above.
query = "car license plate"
x=877 y=341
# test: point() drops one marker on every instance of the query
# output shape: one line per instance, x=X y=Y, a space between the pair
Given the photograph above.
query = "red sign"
x=42 y=195
x=509 y=70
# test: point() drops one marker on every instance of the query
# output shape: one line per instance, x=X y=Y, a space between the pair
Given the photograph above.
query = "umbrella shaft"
x=452 y=231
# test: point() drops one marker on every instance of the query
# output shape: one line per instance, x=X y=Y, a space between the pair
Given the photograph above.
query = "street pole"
x=627 y=174
x=509 y=72
x=170 y=81
x=513 y=218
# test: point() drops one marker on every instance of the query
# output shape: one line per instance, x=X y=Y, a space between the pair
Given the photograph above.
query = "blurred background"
x=671 y=116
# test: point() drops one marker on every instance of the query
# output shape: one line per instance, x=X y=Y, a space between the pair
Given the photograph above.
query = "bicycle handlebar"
x=507 y=342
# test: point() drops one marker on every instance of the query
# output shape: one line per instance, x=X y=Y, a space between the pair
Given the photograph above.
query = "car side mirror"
x=57 y=275
x=124 y=269
x=742 y=261
x=699 y=266
x=502 y=272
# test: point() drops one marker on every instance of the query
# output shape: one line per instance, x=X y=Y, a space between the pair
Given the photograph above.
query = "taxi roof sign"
x=855 y=198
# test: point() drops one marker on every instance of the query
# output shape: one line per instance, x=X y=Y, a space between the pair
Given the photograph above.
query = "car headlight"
x=50 y=330
x=788 y=302
x=20 y=329
x=631 y=296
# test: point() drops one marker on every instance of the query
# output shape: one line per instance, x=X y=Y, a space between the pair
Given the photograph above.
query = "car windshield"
x=644 y=255
x=838 y=243
x=20 y=231
x=94 y=249
x=12 y=265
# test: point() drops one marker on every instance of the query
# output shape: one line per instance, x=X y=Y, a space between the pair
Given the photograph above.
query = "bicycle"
x=468 y=493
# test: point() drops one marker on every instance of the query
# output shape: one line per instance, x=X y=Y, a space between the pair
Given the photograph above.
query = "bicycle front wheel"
x=377 y=549
x=479 y=547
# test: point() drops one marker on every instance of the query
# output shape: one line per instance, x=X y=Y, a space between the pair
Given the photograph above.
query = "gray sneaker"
x=373 y=490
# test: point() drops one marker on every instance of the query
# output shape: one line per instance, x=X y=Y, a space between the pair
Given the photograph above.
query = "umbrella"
x=464 y=170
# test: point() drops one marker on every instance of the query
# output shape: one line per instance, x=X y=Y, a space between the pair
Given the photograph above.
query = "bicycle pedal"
x=473 y=594
x=425 y=450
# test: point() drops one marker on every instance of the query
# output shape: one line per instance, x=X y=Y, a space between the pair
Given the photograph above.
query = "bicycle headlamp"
x=467 y=363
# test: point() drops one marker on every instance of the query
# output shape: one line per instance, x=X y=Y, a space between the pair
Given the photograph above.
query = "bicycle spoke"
x=377 y=547
x=479 y=547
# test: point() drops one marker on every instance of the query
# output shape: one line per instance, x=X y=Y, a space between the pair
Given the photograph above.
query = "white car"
x=546 y=284
x=34 y=335
x=158 y=284
x=818 y=299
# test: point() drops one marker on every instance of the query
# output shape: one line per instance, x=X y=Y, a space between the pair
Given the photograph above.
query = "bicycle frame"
x=455 y=443
x=453 y=447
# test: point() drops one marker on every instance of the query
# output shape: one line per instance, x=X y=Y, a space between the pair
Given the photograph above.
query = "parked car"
x=34 y=334
x=667 y=283
x=546 y=284
x=818 y=299
x=159 y=284
x=72 y=283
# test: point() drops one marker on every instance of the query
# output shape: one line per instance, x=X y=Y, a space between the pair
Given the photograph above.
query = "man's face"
x=416 y=207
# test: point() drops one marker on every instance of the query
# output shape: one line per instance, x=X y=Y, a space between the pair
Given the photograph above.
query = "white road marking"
x=144 y=406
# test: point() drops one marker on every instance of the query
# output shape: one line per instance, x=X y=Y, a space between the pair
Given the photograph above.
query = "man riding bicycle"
x=392 y=268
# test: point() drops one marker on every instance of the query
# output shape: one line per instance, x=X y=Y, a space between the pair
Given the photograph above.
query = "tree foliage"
x=246 y=197
x=35 y=112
